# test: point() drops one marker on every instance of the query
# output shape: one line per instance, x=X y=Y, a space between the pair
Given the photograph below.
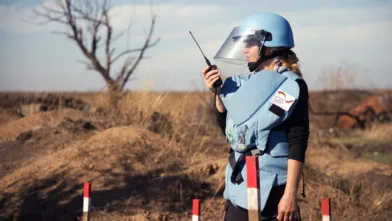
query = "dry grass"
x=184 y=119
x=140 y=175
x=9 y=130
x=334 y=162
x=379 y=132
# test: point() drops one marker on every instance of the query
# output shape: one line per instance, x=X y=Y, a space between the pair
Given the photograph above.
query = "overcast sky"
x=326 y=34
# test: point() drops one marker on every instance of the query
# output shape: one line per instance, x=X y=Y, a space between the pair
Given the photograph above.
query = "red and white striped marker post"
x=252 y=169
x=196 y=210
x=326 y=209
x=86 y=201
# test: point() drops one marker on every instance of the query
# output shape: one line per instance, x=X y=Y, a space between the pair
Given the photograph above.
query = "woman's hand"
x=210 y=77
x=287 y=208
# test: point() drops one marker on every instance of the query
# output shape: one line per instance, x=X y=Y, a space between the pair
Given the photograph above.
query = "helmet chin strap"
x=252 y=66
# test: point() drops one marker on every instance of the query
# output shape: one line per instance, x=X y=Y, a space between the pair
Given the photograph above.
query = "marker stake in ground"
x=252 y=188
x=196 y=210
x=326 y=209
x=86 y=201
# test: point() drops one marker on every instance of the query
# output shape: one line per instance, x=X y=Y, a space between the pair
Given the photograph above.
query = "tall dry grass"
x=379 y=132
x=187 y=119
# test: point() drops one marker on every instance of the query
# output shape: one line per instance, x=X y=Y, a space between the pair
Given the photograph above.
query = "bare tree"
x=90 y=28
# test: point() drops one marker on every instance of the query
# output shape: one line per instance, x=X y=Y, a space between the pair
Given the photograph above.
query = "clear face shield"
x=232 y=49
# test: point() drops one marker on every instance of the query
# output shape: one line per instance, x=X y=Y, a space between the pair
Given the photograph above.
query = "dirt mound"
x=11 y=129
x=130 y=168
x=32 y=144
x=7 y=115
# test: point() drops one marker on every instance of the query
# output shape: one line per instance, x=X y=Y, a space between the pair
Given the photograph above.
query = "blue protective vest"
x=248 y=99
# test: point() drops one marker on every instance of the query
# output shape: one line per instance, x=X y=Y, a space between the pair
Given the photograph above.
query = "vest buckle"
x=256 y=152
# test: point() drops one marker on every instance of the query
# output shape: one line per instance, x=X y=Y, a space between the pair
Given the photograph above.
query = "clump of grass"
x=183 y=118
x=378 y=157
x=379 y=132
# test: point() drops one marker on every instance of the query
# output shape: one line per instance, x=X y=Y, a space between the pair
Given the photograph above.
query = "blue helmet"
x=276 y=25
x=272 y=30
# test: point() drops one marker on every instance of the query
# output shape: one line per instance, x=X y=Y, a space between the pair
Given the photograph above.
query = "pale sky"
x=326 y=34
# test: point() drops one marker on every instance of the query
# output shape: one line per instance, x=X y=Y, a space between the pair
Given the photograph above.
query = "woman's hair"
x=288 y=59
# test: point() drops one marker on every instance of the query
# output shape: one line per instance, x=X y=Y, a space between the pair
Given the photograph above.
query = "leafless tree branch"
x=88 y=64
x=87 y=20
x=134 y=50
x=142 y=51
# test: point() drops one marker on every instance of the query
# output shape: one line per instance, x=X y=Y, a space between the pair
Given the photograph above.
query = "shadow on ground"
x=60 y=198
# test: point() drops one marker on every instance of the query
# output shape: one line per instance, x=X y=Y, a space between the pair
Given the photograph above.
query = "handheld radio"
x=211 y=67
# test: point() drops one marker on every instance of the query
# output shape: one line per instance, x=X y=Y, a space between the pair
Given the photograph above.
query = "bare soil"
x=32 y=144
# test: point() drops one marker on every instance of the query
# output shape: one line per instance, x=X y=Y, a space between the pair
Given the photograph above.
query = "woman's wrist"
x=218 y=89
x=291 y=194
x=219 y=106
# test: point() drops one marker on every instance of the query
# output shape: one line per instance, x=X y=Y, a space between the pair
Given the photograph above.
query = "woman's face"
x=251 y=50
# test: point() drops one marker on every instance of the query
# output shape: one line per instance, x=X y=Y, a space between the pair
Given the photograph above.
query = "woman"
x=264 y=113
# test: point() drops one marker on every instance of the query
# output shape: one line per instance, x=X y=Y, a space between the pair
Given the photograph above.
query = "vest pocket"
x=277 y=144
x=245 y=136
x=241 y=137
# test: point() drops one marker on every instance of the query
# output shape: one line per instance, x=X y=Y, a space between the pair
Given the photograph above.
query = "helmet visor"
x=232 y=49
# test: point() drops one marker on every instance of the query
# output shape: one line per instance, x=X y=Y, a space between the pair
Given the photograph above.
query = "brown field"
x=156 y=152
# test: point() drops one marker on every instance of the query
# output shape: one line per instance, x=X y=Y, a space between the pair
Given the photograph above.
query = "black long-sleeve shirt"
x=296 y=127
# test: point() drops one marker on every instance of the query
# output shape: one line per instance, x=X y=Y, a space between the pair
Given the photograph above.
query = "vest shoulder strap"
x=291 y=75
